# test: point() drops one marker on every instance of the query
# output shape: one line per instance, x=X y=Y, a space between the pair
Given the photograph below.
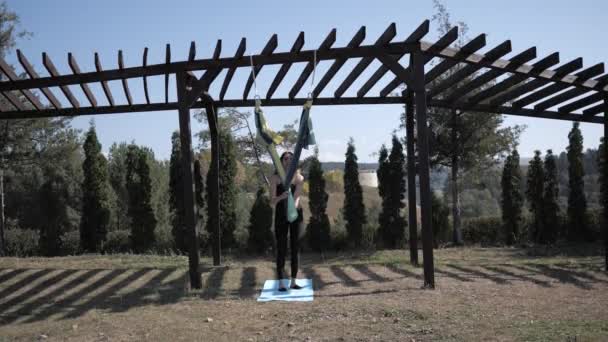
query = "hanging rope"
x=255 y=84
x=314 y=70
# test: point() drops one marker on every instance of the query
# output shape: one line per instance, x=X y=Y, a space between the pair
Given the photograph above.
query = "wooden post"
x=411 y=176
x=188 y=180
x=605 y=223
x=214 y=184
x=423 y=169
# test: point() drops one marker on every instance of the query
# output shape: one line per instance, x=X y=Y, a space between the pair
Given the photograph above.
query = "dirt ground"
x=481 y=295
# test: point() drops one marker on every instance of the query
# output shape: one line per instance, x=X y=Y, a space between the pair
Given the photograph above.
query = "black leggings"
x=281 y=227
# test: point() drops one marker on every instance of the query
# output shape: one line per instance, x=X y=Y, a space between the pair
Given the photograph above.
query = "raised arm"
x=299 y=187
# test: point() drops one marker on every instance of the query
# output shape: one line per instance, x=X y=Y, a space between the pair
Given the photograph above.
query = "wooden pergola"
x=519 y=84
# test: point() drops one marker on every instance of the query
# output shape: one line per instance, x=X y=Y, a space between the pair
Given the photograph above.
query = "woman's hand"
x=282 y=196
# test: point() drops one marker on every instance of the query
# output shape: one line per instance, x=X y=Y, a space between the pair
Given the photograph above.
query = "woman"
x=282 y=226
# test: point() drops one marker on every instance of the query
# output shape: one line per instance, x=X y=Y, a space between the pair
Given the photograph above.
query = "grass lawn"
x=496 y=294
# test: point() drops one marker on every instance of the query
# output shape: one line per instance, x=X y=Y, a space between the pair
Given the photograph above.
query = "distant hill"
x=330 y=166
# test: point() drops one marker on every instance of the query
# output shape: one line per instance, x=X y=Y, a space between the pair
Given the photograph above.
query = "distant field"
x=482 y=294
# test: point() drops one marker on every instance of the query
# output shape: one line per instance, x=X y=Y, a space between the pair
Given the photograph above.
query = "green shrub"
x=71 y=243
x=485 y=231
x=164 y=243
x=118 y=241
x=594 y=218
x=339 y=235
x=21 y=242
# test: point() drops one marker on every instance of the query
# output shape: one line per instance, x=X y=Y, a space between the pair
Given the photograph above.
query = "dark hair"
x=281 y=159
x=285 y=154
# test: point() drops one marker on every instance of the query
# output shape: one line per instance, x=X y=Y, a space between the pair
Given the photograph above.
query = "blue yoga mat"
x=271 y=291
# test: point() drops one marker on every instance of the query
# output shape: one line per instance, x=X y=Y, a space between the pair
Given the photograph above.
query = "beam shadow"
x=10 y=274
x=35 y=290
x=563 y=276
x=497 y=280
x=248 y=282
x=364 y=269
x=212 y=288
x=345 y=278
x=28 y=308
x=71 y=299
x=98 y=300
x=522 y=277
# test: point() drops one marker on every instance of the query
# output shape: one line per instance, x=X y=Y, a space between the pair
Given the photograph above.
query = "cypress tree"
x=318 y=225
x=139 y=186
x=535 y=194
x=176 y=196
x=354 y=209
x=54 y=204
x=512 y=198
x=396 y=195
x=383 y=173
x=227 y=195
x=95 y=196
x=260 y=223
x=199 y=195
x=577 y=203
x=439 y=218
x=551 y=206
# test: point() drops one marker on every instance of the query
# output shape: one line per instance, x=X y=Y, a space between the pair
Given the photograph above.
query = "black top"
x=281 y=206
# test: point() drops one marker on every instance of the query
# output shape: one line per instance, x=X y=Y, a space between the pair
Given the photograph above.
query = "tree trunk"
x=2 y=221
x=457 y=233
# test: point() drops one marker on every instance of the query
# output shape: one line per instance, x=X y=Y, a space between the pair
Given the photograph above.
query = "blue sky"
x=575 y=29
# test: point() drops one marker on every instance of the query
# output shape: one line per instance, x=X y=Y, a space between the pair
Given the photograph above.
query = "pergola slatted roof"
x=522 y=84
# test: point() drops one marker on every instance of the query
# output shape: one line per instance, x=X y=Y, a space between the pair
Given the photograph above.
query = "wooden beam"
x=238 y=55
x=384 y=39
x=600 y=108
x=201 y=85
x=411 y=176
x=442 y=43
x=211 y=74
x=556 y=87
x=271 y=45
x=422 y=142
x=415 y=37
x=286 y=102
x=525 y=70
x=536 y=83
x=397 y=69
x=512 y=80
x=471 y=47
x=491 y=74
x=50 y=67
x=218 y=50
x=104 y=84
x=565 y=96
x=580 y=103
x=85 y=87
x=33 y=74
x=14 y=100
x=492 y=55
x=214 y=183
x=10 y=74
x=167 y=61
x=145 y=64
x=125 y=85
x=338 y=63
x=205 y=64
x=312 y=64
x=188 y=190
x=295 y=48
x=192 y=51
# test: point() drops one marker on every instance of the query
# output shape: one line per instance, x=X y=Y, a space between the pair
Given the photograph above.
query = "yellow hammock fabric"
x=269 y=139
